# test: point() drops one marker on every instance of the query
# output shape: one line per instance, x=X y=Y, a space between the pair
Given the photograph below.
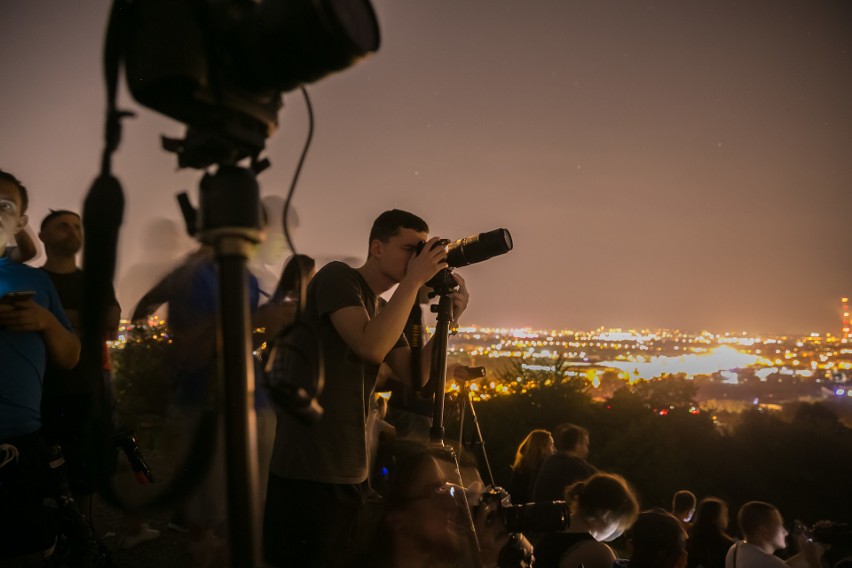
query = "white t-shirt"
x=751 y=556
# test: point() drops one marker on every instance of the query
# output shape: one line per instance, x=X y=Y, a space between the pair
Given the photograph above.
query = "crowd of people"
x=332 y=494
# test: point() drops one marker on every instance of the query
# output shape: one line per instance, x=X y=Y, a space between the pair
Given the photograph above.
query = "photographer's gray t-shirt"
x=334 y=450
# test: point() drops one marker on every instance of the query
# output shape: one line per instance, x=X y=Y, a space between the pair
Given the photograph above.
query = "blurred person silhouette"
x=763 y=535
x=656 y=540
x=602 y=508
x=163 y=246
x=295 y=276
x=708 y=540
x=683 y=507
x=425 y=522
x=33 y=331
x=271 y=255
x=567 y=466
x=191 y=293
x=529 y=457
x=319 y=469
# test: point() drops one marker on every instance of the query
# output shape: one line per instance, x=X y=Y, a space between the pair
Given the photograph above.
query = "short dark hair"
x=568 y=436
x=25 y=198
x=683 y=500
x=389 y=223
x=711 y=516
x=54 y=214
x=603 y=494
x=754 y=515
x=658 y=540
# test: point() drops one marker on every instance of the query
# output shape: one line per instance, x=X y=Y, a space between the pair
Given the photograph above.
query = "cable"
x=298 y=171
x=286 y=211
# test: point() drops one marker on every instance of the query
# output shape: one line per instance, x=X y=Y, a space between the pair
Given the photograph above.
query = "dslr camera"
x=469 y=250
x=826 y=532
x=544 y=516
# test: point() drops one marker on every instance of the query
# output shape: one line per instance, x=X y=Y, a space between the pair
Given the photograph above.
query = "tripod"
x=229 y=220
x=444 y=285
x=464 y=402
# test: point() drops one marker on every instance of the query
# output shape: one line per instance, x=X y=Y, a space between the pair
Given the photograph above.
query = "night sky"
x=673 y=163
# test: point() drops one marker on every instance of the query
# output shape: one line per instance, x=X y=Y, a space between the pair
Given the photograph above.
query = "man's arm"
x=153 y=299
x=372 y=339
x=62 y=345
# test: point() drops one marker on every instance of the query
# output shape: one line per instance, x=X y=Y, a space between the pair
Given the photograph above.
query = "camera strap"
x=414 y=335
x=103 y=209
x=103 y=212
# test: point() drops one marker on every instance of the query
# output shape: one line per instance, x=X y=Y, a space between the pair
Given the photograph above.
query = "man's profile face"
x=395 y=254
x=12 y=218
x=776 y=532
x=582 y=448
x=63 y=234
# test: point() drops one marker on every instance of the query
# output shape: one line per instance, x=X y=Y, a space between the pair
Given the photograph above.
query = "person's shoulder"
x=335 y=271
x=590 y=553
x=335 y=268
x=29 y=272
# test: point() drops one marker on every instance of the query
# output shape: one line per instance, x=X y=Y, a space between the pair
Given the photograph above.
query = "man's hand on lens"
x=460 y=297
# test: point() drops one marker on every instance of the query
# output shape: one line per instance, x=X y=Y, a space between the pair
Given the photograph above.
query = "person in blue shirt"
x=33 y=329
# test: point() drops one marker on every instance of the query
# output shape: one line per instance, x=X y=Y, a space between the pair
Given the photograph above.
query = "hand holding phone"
x=12 y=298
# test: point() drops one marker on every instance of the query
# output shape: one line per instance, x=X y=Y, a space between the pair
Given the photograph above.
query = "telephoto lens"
x=477 y=248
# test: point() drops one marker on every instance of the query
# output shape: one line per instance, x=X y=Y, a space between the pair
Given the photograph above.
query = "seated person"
x=529 y=457
x=602 y=508
x=657 y=540
x=565 y=467
x=683 y=507
x=708 y=542
x=426 y=521
x=764 y=534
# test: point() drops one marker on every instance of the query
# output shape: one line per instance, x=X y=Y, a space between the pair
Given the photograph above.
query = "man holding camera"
x=314 y=494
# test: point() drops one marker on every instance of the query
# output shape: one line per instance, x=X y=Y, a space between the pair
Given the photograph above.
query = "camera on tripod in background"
x=540 y=517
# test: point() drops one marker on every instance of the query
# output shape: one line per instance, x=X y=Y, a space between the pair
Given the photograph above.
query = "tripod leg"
x=480 y=440
x=462 y=407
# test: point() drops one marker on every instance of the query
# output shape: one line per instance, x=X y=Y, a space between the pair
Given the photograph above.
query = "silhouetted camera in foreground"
x=221 y=66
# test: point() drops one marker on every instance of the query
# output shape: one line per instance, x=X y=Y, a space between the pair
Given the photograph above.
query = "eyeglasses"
x=446 y=495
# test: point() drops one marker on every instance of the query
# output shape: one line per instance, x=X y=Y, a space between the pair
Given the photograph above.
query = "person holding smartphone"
x=33 y=329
